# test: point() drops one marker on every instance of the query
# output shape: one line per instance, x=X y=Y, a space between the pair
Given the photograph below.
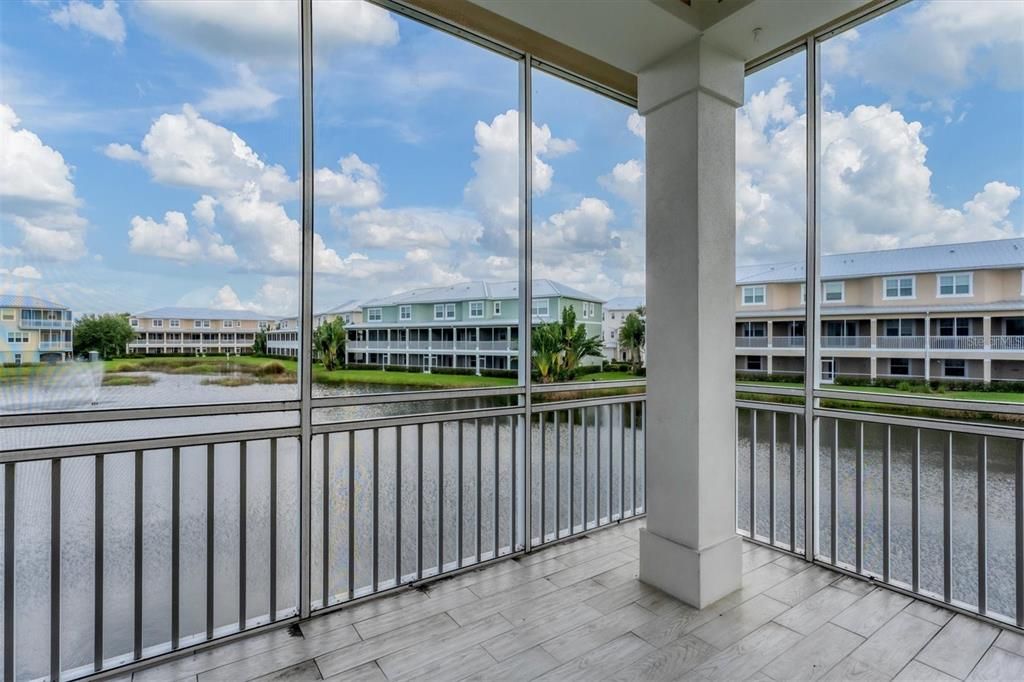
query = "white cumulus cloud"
x=247 y=96
x=102 y=20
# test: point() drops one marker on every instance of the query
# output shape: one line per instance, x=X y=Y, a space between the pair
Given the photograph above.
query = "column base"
x=695 y=577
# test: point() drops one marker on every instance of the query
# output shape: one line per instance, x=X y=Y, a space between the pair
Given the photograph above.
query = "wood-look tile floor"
x=576 y=611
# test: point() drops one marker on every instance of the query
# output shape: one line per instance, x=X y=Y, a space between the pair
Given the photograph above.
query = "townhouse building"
x=470 y=325
x=179 y=330
x=283 y=337
x=948 y=312
x=34 y=330
x=613 y=316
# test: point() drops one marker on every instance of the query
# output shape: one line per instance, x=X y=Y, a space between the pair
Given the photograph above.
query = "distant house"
x=34 y=330
x=283 y=337
x=195 y=330
x=615 y=313
x=471 y=325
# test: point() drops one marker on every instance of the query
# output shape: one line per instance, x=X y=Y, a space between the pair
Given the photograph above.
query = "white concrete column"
x=986 y=332
x=986 y=368
x=771 y=324
x=690 y=548
x=874 y=335
x=768 y=365
x=873 y=362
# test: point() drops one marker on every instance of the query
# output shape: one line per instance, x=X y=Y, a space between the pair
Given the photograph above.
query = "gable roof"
x=201 y=314
x=469 y=291
x=18 y=301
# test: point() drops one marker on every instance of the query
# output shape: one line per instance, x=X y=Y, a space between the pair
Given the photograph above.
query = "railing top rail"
x=914 y=401
x=139 y=413
x=413 y=419
x=588 y=402
x=162 y=443
x=416 y=396
x=769 y=390
x=1011 y=432
x=771 y=407
x=589 y=385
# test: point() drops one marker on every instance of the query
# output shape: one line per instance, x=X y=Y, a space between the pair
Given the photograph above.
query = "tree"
x=108 y=334
x=329 y=342
x=259 y=343
x=633 y=336
x=559 y=347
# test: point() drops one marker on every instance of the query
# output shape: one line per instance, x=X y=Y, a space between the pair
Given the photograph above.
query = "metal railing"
x=846 y=342
x=931 y=508
x=54 y=345
x=788 y=341
x=1008 y=343
x=751 y=341
x=118 y=552
x=26 y=323
x=957 y=342
x=900 y=342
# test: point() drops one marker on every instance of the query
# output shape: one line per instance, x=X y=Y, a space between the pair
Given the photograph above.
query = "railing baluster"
x=542 y=423
x=137 y=575
x=835 y=492
x=571 y=419
x=915 y=514
x=497 y=486
x=54 y=569
x=513 y=491
x=753 y=474
x=597 y=458
x=459 y=453
x=374 y=575
x=886 y=502
x=792 y=482
x=98 y=480
x=9 y=567
x=773 y=434
x=175 y=547
x=633 y=434
x=242 y=539
x=1018 y=494
x=642 y=413
x=982 y=531
x=351 y=514
x=622 y=461
x=859 y=500
x=325 y=549
x=558 y=477
x=611 y=460
x=947 y=520
x=210 y=452
x=419 y=501
x=398 y=506
x=440 y=497
x=586 y=467
x=479 y=484
x=273 y=530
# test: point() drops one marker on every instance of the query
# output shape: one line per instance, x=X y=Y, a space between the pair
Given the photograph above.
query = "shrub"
x=271 y=368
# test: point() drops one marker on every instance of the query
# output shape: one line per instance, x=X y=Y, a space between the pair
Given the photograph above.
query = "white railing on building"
x=751 y=341
x=45 y=324
x=900 y=342
x=846 y=342
x=1008 y=343
x=957 y=342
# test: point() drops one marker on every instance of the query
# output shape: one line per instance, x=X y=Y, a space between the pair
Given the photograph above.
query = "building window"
x=439 y=311
x=133 y=322
x=497 y=308
x=158 y=323
x=404 y=312
x=898 y=287
x=373 y=314
x=17 y=337
x=476 y=308
x=175 y=324
x=613 y=334
x=954 y=368
x=835 y=292
x=754 y=363
x=956 y=284
x=899 y=327
x=8 y=315
x=540 y=307
x=449 y=311
x=953 y=326
x=228 y=324
x=899 y=367
x=755 y=295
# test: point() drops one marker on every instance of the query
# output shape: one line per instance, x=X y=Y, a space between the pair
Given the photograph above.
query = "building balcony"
x=468 y=346
x=957 y=343
x=1013 y=343
x=45 y=324
x=831 y=342
x=55 y=346
x=900 y=342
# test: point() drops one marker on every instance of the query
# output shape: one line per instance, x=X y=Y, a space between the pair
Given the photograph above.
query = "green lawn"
x=376 y=376
x=607 y=376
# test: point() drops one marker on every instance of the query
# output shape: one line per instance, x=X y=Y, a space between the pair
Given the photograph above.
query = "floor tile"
x=737 y=623
x=959 y=646
x=915 y=671
x=300 y=672
x=871 y=612
x=669 y=662
x=596 y=663
x=894 y=644
x=815 y=655
x=747 y=656
x=813 y=612
x=999 y=664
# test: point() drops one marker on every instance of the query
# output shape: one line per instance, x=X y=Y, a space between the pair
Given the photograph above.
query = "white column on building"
x=986 y=369
x=771 y=324
x=873 y=363
x=927 y=348
x=874 y=334
x=986 y=331
x=690 y=548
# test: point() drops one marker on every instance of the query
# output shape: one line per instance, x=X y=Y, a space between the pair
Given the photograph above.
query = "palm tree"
x=559 y=347
x=633 y=336
x=329 y=342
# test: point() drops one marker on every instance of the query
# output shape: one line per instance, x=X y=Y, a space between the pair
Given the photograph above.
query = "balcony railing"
x=900 y=342
x=751 y=341
x=499 y=346
x=54 y=345
x=929 y=508
x=789 y=341
x=25 y=323
x=117 y=552
x=846 y=342
x=957 y=342
x=1008 y=343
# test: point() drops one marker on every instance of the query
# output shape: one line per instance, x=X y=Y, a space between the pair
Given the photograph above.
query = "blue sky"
x=163 y=139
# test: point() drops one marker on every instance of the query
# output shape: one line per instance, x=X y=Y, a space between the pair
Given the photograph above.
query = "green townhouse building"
x=470 y=325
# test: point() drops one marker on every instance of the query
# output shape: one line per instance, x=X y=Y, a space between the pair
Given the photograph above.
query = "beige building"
x=283 y=337
x=34 y=330
x=953 y=312
x=195 y=331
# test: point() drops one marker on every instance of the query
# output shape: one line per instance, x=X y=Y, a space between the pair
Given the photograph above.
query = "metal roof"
x=18 y=301
x=996 y=253
x=201 y=314
x=626 y=303
x=473 y=291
